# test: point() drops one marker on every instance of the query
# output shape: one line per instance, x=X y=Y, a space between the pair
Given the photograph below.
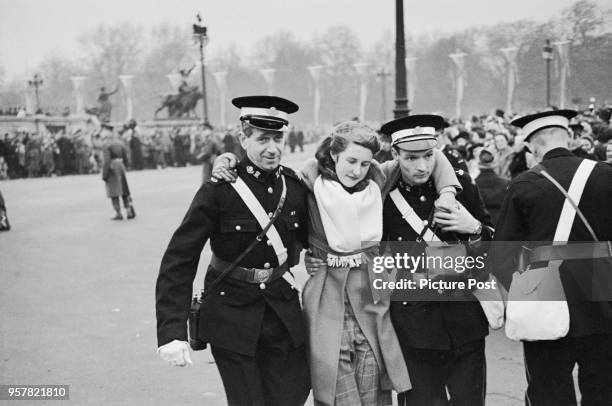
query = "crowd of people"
x=28 y=154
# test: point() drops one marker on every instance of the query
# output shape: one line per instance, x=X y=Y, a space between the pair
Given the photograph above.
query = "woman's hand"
x=223 y=167
x=313 y=264
x=457 y=219
x=446 y=200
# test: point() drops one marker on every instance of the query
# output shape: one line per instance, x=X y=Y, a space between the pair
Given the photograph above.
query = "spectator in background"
x=3 y=169
x=504 y=155
x=492 y=186
x=300 y=140
x=384 y=154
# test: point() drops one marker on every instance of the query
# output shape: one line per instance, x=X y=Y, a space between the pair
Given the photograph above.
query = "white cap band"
x=413 y=134
x=550 y=121
x=258 y=111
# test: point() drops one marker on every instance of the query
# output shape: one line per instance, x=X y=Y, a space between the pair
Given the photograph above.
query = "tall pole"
x=401 y=101
x=548 y=57
x=383 y=73
x=203 y=72
x=199 y=31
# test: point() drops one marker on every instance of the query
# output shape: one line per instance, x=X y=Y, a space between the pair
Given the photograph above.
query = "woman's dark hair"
x=339 y=139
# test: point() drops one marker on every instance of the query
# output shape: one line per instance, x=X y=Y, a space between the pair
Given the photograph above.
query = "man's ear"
x=243 y=140
x=394 y=153
x=334 y=157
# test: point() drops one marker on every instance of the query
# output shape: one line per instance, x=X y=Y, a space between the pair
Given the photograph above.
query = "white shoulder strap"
x=262 y=218
x=411 y=217
x=568 y=212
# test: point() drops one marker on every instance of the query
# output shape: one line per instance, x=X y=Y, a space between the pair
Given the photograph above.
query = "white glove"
x=176 y=353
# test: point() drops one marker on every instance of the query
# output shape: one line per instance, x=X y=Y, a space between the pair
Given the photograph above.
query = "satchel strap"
x=262 y=217
x=589 y=250
x=413 y=220
x=572 y=199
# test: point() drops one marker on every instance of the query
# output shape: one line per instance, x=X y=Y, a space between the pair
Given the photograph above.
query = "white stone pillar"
x=563 y=48
x=411 y=79
x=510 y=55
x=221 y=79
x=362 y=69
x=315 y=75
x=458 y=59
x=126 y=81
x=77 y=88
x=268 y=75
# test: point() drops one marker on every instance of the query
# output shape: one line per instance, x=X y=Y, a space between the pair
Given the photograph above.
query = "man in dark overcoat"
x=116 y=154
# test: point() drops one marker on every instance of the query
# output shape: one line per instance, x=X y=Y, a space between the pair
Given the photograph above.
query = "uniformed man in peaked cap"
x=252 y=319
x=443 y=342
x=532 y=214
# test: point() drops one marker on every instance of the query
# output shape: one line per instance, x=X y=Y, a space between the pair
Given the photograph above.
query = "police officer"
x=253 y=319
x=443 y=342
x=529 y=215
x=116 y=157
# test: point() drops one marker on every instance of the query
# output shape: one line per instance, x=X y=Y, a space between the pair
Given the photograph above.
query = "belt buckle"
x=262 y=275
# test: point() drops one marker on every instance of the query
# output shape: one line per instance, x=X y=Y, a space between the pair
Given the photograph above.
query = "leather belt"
x=250 y=275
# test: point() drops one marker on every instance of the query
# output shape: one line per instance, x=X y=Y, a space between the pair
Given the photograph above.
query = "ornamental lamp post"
x=36 y=82
x=199 y=34
x=547 y=55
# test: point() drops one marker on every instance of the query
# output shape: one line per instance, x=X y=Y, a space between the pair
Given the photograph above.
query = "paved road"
x=77 y=295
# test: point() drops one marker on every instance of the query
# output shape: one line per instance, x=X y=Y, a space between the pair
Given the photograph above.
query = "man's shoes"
x=118 y=216
x=131 y=213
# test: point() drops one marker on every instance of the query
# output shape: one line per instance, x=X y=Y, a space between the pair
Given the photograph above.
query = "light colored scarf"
x=350 y=220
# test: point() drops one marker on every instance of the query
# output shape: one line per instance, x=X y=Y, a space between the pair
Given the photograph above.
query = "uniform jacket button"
x=262 y=286
x=404 y=303
x=269 y=242
x=270 y=214
x=422 y=198
x=270 y=190
x=238 y=228
x=296 y=225
x=222 y=293
x=399 y=238
x=267 y=265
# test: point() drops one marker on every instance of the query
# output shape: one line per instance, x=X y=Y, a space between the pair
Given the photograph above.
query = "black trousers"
x=278 y=374
x=549 y=366
x=462 y=372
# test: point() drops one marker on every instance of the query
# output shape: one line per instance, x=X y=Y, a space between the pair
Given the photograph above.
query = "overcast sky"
x=31 y=29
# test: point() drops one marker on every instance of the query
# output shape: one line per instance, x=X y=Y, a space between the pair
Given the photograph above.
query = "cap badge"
x=250 y=170
x=272 y=111
x=256 y=174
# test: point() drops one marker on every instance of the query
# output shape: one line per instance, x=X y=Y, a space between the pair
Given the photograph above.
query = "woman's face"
x=585 y=145
x=500 y=141
x=352 y=164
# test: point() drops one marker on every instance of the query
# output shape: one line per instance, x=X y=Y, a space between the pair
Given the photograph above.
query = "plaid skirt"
x=358 y=380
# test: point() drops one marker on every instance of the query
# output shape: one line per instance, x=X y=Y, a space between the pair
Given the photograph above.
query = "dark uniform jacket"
x=530 y=213
x=455 y=158
x=435 y=325
x=232 y=316
x=493 y=189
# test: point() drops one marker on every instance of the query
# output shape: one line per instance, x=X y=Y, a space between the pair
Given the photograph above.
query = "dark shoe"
x=131 y=213
x=118 y=216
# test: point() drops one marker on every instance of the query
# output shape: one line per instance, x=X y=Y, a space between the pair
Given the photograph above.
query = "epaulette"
x=290 y=173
